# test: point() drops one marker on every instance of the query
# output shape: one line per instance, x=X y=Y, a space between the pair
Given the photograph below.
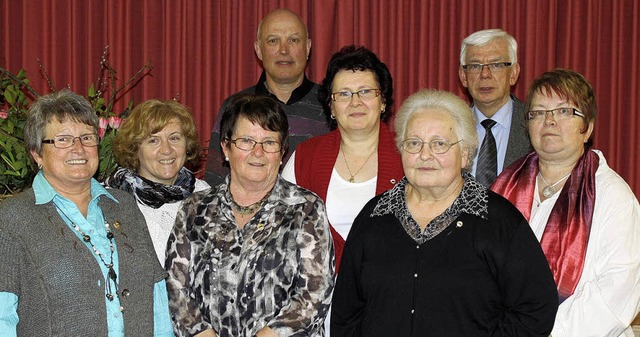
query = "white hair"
x=464 y=120
x=482 y=37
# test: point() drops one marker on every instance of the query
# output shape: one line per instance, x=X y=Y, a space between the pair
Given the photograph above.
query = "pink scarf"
x=566 y=234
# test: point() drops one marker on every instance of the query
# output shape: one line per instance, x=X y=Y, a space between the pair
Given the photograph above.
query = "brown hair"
x=150 y=117
x=259 y=109
x=569 y=85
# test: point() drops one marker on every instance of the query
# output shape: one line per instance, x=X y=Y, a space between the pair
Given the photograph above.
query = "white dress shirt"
x=607 y=297
x=500 y=132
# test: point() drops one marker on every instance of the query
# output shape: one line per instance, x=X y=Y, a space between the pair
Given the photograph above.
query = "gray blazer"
x=519 y=143
x=57 y=279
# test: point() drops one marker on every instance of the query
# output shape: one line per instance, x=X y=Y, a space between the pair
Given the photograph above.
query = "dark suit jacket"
x=519 y=143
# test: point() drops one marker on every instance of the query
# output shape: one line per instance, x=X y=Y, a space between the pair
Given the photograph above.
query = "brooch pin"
x=459 y=224
x=117 y=225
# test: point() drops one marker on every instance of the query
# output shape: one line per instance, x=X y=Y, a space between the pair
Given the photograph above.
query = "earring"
x=226 y=158
x=281 y=163
x=333 y=117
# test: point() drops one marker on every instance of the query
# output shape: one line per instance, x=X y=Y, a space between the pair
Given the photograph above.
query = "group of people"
x=317 y=217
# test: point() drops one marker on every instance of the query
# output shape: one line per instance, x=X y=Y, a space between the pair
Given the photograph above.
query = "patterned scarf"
x=565 y=237
x=151 y=193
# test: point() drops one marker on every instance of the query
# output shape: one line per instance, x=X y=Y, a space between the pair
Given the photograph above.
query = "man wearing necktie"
x=488 y=69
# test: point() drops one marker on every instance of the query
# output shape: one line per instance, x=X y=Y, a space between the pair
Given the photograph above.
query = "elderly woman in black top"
x=254 y=255
x=439 y=254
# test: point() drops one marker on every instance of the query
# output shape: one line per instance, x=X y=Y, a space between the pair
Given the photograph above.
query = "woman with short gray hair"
x=77 y=258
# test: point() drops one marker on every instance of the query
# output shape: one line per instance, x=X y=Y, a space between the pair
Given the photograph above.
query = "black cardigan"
x=476 y=278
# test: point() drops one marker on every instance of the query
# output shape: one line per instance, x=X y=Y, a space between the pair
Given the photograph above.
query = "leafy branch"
x=16 y=95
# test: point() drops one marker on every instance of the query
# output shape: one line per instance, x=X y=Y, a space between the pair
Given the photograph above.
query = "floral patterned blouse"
x=276 y=271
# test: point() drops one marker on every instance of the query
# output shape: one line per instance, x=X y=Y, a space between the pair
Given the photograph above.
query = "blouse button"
x=415 y=275
x=393 y=181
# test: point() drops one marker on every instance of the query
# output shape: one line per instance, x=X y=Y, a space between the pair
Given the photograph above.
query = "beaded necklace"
x=250 y=209
x=111 y=274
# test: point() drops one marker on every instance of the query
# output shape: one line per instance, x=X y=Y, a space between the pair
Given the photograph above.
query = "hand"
x=266 y=332
x=207 y=333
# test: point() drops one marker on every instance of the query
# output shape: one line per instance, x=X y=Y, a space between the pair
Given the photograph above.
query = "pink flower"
x=114 y=122
x=103 y=123
x=4 y=114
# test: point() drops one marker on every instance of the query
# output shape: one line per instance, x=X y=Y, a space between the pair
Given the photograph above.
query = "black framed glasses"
x=437 y=146
x=66 y=141
x=347 y=96
x=248 y=144
x=494 y=67
x=558 y=114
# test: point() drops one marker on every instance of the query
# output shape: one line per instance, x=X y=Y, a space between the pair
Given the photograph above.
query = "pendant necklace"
x=111 y=273
x=352 y=178
x=551 y=189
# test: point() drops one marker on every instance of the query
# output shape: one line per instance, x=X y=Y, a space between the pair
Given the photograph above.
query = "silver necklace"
x=551 y=189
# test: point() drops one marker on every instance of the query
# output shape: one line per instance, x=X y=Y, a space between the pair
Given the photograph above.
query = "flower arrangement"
x=17 y=168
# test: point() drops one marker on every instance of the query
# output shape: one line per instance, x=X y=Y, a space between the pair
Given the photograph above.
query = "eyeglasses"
x=437 y=146
x=66 y=141
x=495 y=67
x=248 y=144
x=347 y=96
x=558 y=114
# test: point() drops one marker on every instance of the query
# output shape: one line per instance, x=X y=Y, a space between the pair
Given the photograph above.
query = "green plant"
x=17 y=168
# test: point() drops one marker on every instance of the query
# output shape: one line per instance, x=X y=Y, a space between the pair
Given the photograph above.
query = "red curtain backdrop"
x=202 y=51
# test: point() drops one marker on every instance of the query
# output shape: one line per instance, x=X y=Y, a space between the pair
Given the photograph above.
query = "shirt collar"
x=45 y=193
x=502 y=117
x=280 y=194
x=297 y=94
x=473 y=199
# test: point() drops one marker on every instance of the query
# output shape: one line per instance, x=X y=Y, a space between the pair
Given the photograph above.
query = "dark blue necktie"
x=487 y=168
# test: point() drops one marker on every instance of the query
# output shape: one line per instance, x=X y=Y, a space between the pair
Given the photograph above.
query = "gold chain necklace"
x=353 y=175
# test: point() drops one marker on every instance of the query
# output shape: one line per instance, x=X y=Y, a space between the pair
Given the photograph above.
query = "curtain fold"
x=202 y=51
